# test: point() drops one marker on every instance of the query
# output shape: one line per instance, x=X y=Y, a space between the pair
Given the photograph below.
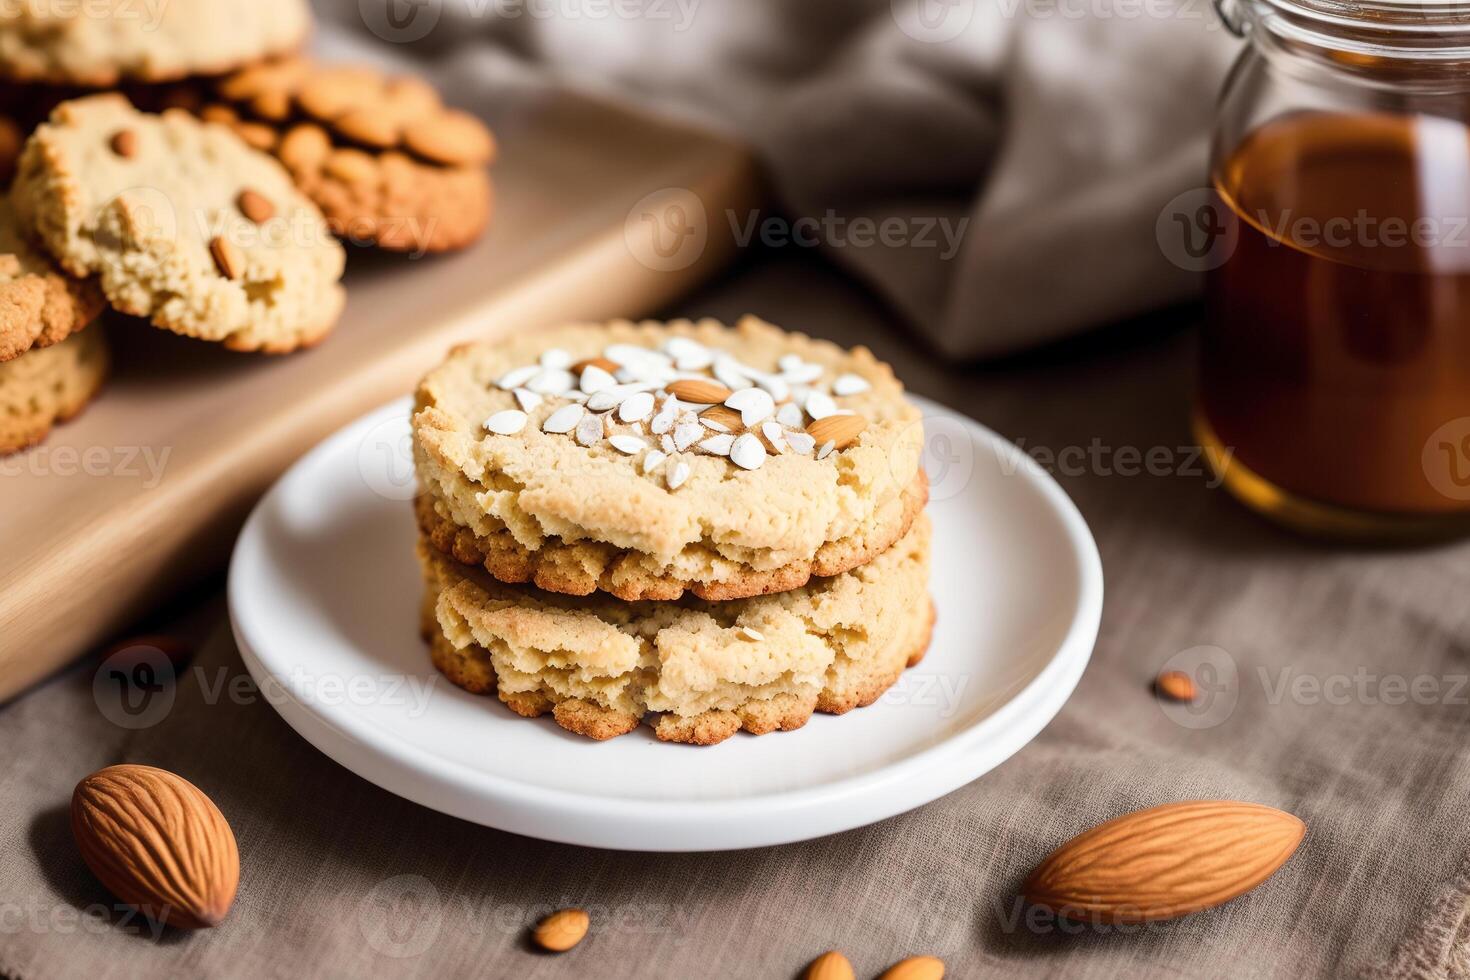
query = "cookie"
x=697 y=671
x=38 y=305
x=649 y=460
x=102 y=42
x=382 y=156
x=49 y=385
x=182 y=223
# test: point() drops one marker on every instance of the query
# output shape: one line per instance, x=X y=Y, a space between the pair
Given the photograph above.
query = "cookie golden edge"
x=470 y=669
x=585 y=568
x=82 y=381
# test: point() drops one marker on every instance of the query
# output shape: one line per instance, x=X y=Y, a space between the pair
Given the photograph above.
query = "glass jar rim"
x=1420 y=30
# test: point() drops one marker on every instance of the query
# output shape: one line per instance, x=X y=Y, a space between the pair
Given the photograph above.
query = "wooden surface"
x=146 y=490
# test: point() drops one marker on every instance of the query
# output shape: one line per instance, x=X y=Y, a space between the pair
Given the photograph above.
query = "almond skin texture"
x=829 y=966
x=611 y=367
x=727 y=417
x=1164 y=862
x=560 y=931
x=694 y=392
x=840 y=430
x=915 y=968
x=158 y=844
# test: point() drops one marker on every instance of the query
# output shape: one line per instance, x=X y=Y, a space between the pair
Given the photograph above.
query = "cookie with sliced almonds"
x=388 y=163
x=635 y=483
x=155 y=207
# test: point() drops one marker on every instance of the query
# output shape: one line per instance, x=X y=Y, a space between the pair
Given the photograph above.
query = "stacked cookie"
x=704 y=528
x=181 y=163
x=50 y=363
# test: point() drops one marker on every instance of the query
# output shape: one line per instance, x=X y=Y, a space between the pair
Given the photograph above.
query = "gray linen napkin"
x=994 y=168
x=342 y=879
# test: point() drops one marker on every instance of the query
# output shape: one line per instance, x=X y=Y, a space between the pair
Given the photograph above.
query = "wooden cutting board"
x=598 y=215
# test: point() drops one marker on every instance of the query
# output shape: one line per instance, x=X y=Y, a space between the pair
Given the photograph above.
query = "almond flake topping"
x=748 y=453
x=556 y=358
x=801 y=442
x=552 y=381
x=595 y=379
x=589 y=430
x=564 y=419
x=687 y=434
x=628 y=445
x=517 y=377
x=826 y=449
x=528 y=400
x=718 y=445
x=753 y=404
x=636 y=408
x=506 y=423
x=653 y=460
x=790 y=416
x=850 y=384
x=819 y=406
x=746 y=633
x=678 y=473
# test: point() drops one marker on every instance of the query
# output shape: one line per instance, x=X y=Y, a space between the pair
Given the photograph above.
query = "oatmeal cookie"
x=646 y=460
x=102 y=42
x=39 y=306
x=697 y=671
x=387 y=162
x=48 y=386
x=182 y=223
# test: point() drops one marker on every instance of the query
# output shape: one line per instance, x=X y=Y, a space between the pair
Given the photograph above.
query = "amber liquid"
x=1335 y=347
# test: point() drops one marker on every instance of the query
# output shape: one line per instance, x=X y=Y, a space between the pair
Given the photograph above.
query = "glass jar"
x=1335 y=362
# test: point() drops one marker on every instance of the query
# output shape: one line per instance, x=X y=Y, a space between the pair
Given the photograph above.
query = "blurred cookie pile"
x=701 y=528
x=184 y=163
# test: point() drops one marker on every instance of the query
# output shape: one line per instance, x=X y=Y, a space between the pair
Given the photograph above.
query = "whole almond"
x=829 y=966
x=1175 y=685
x=611 y=367
x=727 y=417
x=915 y=968
x=840 y=430
x=560 y=931
x=697 y=392
x=157 y=843
x=125 y=143
x=1165 y=862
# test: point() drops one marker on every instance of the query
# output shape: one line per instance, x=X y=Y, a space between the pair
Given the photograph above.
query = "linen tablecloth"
x=340 y=878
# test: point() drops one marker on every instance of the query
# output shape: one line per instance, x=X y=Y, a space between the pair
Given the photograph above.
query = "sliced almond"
x=840 y=430
x=698 y=392
x=226 y=257
x=256 y=207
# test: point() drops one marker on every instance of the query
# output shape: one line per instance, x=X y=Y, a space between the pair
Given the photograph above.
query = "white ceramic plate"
x=325 y=594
